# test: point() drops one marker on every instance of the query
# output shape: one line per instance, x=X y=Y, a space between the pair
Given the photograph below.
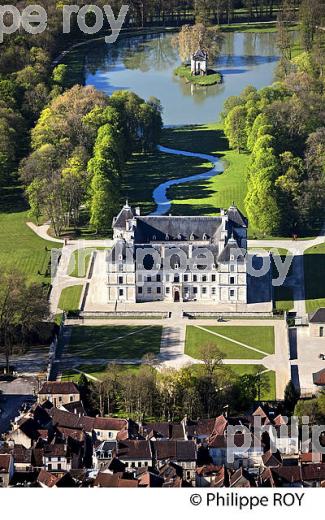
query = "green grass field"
x=314 y=265
x=114 y=342
x=97 y=371
x=212 y=78
x=261 y=338
x=208 y=197
x=79 y=263
x=283 y=299
x=21 y=248
x=70 y=298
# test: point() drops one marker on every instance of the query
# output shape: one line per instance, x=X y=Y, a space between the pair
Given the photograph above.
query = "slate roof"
x=318 y=316
x=125 y=214
x=236 y=217
x=200 y=55
x=176 y=228
x=232 y=249
x=58 y=387
x=286 y=475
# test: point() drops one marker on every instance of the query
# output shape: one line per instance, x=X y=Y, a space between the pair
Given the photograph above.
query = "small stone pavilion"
x=199 y=63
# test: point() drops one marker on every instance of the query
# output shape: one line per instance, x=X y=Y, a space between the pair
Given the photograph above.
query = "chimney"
x=138 y=211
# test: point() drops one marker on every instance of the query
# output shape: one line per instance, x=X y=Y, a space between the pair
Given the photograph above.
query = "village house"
x=183 y=453
x=59 y=393
x=6 y=469
x=103 y=454
x=178 y=259
x=134 y=454
x=317 y=323
x=55 y=458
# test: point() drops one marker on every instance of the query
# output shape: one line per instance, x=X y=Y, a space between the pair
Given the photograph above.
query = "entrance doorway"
x=177 y=297
x=321 y=332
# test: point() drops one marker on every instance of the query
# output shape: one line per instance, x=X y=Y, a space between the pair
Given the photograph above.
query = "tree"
x=211 y=357
x=23 y=307
x=193 y=37
x=235 y=128
x=291 y=397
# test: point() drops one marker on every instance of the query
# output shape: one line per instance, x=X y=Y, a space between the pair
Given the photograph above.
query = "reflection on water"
x=146 y=64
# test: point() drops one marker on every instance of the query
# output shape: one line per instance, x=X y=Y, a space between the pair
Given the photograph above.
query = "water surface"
x=146 y=65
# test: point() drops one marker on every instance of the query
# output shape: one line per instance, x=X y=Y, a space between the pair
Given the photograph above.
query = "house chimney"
x=138 y=211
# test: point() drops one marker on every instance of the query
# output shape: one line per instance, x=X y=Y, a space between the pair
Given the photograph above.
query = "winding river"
x=146 y=64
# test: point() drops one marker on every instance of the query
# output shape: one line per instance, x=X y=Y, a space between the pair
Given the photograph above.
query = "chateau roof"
x=236 y=217
x=124 y=215
x=231 y=249
x=175 y=228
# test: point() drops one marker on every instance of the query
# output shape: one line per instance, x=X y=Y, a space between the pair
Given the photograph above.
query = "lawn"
x=115 y=342
x=208 y=197
x=97 y=371
x=79 y=263
x=261 y=338
x=283 y=299
x=21 y=248
x=314 y=265
x=212 y=77
x=70 y=298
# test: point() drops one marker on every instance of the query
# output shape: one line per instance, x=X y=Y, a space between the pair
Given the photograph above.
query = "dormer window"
x=232 y=258
x=167 y=236
x=205 y=236
x=192 y=237
x=179 y=237
x=120 y=257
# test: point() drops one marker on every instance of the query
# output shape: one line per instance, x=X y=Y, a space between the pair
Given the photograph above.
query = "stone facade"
x=178 y=259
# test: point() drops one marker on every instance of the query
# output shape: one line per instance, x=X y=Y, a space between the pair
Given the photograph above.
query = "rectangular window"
x=232 y=280
x=213 y=278
x=49 y=467
x=148 y=278
x=204 y=278
x=158 y=290
x=120 y=268
x=176 y=278
x=121 y=292
x=149 y=290
x=139 y=290
x=71 y=398
x=120 y=280
x=167 y=290
x=195 y=291
x=167 y=277
x=194 y=277
x=214 y=290
x=232 y=293
x=185 y=277
x=204 y=290
x=232 y=268
x=158 y=278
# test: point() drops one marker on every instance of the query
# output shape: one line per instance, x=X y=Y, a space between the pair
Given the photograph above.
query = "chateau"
x=178 y=258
